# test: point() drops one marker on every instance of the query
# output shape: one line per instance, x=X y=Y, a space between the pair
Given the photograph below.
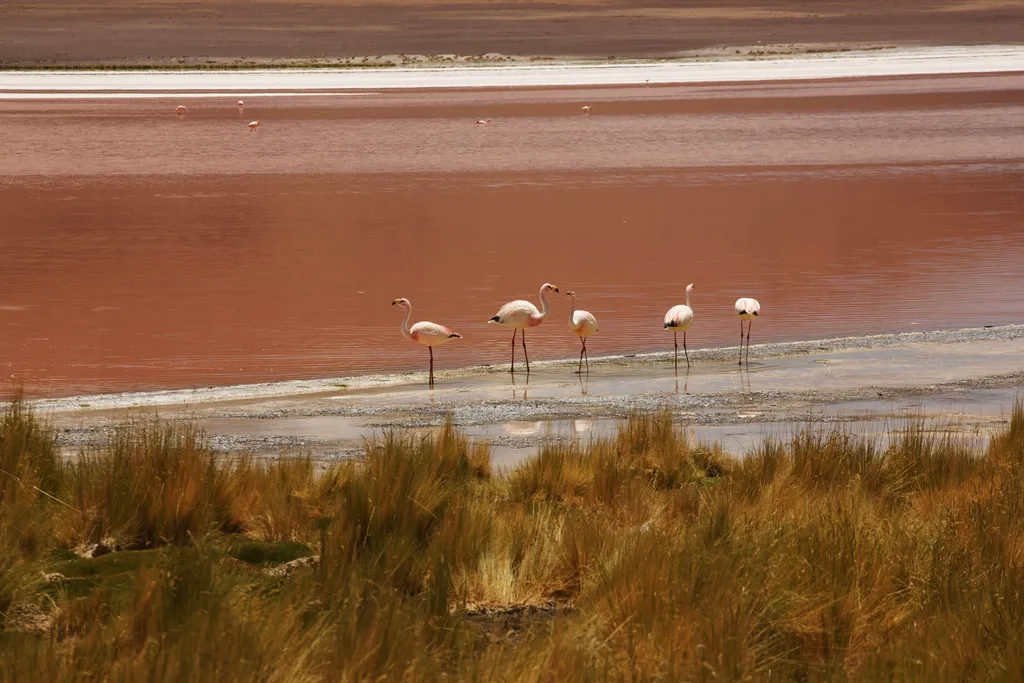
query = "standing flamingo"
x=241 y=104
x=584 y=324
x=746 y=309
x=180 y=109
x=520 y=315
x=426 y=333
x=253 y=125
x=680 y=318
x=585 y=109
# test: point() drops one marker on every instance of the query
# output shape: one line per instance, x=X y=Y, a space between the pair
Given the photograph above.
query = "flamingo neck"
x=688 y=299
x=572 y=308
x=405 y=323
x=544 y=308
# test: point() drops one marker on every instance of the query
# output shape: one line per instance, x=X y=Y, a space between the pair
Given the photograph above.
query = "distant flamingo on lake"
x=253 y=125
x=585 y=109
x=180 y=109
x=746 y=309
x=426 y=333
x=520 y=315
x=680 y=318
x=241 y=104
x=584 y=324
x=483 y=122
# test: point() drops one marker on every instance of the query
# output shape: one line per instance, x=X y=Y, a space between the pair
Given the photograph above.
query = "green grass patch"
x=110 y=564
x=269 y=553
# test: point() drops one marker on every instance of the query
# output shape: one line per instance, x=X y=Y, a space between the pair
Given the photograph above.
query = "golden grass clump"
x=644 y=556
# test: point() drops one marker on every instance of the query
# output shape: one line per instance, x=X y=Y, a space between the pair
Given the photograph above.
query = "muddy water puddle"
x=971 y=415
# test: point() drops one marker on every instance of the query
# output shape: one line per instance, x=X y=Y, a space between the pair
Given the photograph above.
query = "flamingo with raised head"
x=747 y=309
x=680 y=318
x=426 y=333
x=583 y=324
x=253 y=125
x=180 y=109
x=520 y=315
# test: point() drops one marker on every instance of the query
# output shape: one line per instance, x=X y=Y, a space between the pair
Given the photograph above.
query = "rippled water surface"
x=142 y=249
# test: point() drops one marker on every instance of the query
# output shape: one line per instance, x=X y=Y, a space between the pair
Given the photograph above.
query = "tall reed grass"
x=643 y=556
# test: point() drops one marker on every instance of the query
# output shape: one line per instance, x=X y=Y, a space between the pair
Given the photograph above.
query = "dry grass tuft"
x=643 y=556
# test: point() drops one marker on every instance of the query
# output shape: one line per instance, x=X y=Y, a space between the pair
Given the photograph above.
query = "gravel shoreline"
x=206 y=395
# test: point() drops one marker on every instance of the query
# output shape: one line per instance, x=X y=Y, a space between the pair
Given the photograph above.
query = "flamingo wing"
x=432 y=334
x=584 y=322
x=678 y=317
x=747 y=307
x=515 y=314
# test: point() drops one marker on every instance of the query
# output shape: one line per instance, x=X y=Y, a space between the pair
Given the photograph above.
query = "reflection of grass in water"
x=644 y=555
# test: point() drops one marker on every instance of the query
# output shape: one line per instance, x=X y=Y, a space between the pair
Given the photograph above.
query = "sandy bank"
x=918 y=61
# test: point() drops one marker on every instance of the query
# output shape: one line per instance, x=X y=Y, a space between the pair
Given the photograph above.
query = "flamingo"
x=585 y=109
x=253 y=125
x=746 y=309
x=426 y=333
x=680 y=318
x=241 y=104
x=180 y=109
x=584 y=324
x=520 y=315
x=483 y=122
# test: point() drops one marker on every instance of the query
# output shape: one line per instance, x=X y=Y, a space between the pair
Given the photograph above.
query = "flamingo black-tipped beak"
x=555 y=288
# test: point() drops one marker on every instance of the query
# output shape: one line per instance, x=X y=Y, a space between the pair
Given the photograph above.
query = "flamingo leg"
x=513 y=368
x=586 y=355
x=431 y=349
x=749 y=325
x=522 y=337
x=741 y=341
x=675 y=340
x=583 y=350
x=685 y=353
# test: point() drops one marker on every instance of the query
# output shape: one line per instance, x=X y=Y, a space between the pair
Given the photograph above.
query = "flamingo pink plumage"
x=253 y=125
x=585 y=109
x=427 y=333
x=584 y=324
x=180 y=109
x=520 y=315
x=483 y=122
x=746 y=309
x=680 y=318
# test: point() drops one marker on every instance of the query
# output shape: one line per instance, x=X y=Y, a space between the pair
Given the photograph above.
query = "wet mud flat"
x=965 y=381
x=210 y=32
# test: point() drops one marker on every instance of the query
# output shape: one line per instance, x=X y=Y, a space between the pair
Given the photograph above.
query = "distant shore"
x=856 y=64
x=222 y=33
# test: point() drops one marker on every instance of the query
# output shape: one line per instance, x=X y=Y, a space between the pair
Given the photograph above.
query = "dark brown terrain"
x=129 y=32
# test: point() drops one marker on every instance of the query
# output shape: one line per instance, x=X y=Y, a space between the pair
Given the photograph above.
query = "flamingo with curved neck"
x=427 y=333
x=680 y=318
x=519 y=315
x=584 y=324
